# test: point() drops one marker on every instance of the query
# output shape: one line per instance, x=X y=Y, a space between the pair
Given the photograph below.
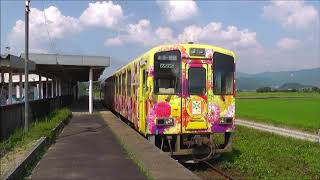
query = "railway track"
x=218 y=171
x=206 y=170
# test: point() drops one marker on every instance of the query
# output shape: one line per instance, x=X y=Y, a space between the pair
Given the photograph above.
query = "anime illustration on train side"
x=180 y=97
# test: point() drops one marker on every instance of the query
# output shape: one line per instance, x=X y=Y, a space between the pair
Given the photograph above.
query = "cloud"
x=291 y=14
x=98 y=14
x=113 y=41
x=102 y=14
x=288 y=43
x=231 y=37
x=142 y=33
x=164 y=34
x=57 y=24
x=178 y=10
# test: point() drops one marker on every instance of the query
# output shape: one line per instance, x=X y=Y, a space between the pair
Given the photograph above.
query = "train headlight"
x=165 y=122
x=225 y=120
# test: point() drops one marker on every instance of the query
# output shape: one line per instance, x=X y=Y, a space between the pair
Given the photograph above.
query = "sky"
x=265 y=35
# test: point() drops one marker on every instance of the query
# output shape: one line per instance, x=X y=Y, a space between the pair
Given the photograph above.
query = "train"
x=178 y=96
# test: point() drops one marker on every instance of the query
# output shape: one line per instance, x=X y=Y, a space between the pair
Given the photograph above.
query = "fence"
x=12 y=116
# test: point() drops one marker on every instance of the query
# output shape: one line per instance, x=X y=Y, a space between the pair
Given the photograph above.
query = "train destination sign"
x=197 y=52
x=167 y=57
x=166 y=66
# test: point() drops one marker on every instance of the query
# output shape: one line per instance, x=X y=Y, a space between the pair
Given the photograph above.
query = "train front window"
x=223 y=72
x=167 y=72
x=197 y=81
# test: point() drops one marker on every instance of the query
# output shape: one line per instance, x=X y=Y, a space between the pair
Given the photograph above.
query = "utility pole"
x=26 y=70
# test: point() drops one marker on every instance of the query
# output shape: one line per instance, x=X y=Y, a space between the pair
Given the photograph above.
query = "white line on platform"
x=281 y=131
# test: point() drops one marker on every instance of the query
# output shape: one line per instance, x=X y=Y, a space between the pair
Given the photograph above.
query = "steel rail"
x=218 y=171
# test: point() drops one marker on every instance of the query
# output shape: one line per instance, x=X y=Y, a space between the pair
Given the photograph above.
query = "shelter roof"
x=14 y=63
x=70 y=67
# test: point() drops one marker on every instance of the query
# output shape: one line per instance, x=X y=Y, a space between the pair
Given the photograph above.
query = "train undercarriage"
x=196 y=147
x=188 y=147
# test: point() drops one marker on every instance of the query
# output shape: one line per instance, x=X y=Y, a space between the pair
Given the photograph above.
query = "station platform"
x=88 y=148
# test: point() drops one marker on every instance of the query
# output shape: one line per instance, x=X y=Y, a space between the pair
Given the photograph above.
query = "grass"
x=262 y=155
x=136 y=160
x=37 y=129
x=278 y=94
x=297 y=113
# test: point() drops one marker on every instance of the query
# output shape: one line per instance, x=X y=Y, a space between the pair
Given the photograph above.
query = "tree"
x=315 y=89
x=264 y=89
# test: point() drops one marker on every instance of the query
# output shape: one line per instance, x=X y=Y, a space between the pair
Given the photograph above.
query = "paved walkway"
x=281 y=131
x=86 y=149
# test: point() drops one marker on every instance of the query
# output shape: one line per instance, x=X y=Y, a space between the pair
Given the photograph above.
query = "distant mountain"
x=306 y=78
x=287 y=86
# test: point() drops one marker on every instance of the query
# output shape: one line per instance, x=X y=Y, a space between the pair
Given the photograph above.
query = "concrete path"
x=86 y=149
x=281 y=131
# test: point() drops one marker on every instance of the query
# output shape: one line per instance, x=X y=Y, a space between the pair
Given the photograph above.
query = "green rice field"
x=263 y=155
x=298 y=113
x=277 y=94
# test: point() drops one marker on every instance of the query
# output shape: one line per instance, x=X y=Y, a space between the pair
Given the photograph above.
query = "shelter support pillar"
x=40 y=87
x=47 y=87
x=70 y=87
x=20 y=87
x=59 y=87
x=74 y=88
x=17 y=90
x=2 y=77
x=90 y=90
x=78 y=92
x=56 y=83
x=52 y=85
x=10 y=88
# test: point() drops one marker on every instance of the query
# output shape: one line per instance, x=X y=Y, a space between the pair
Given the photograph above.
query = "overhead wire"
x=53 y=47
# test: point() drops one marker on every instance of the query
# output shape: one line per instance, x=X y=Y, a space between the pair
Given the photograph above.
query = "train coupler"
x=203 y=149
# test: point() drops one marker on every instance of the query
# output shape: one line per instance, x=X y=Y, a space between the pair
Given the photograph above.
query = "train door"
x=195 y=102
x=142 y=98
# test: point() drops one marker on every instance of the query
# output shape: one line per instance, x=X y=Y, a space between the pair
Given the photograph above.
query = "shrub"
x=264 y=89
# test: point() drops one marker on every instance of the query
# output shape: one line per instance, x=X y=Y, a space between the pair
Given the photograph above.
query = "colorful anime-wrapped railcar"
x=179 y=96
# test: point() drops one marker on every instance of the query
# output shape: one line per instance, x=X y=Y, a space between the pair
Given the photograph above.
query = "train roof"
x=192 y=45
x=185 y=46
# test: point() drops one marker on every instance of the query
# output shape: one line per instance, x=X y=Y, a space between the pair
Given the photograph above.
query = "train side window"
x=129 y=83
x=133 y=84
x=144 y=80
x=123 y=88
x=119 y=85
x=118 y=92
x=113 y=86
x=223 y=73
